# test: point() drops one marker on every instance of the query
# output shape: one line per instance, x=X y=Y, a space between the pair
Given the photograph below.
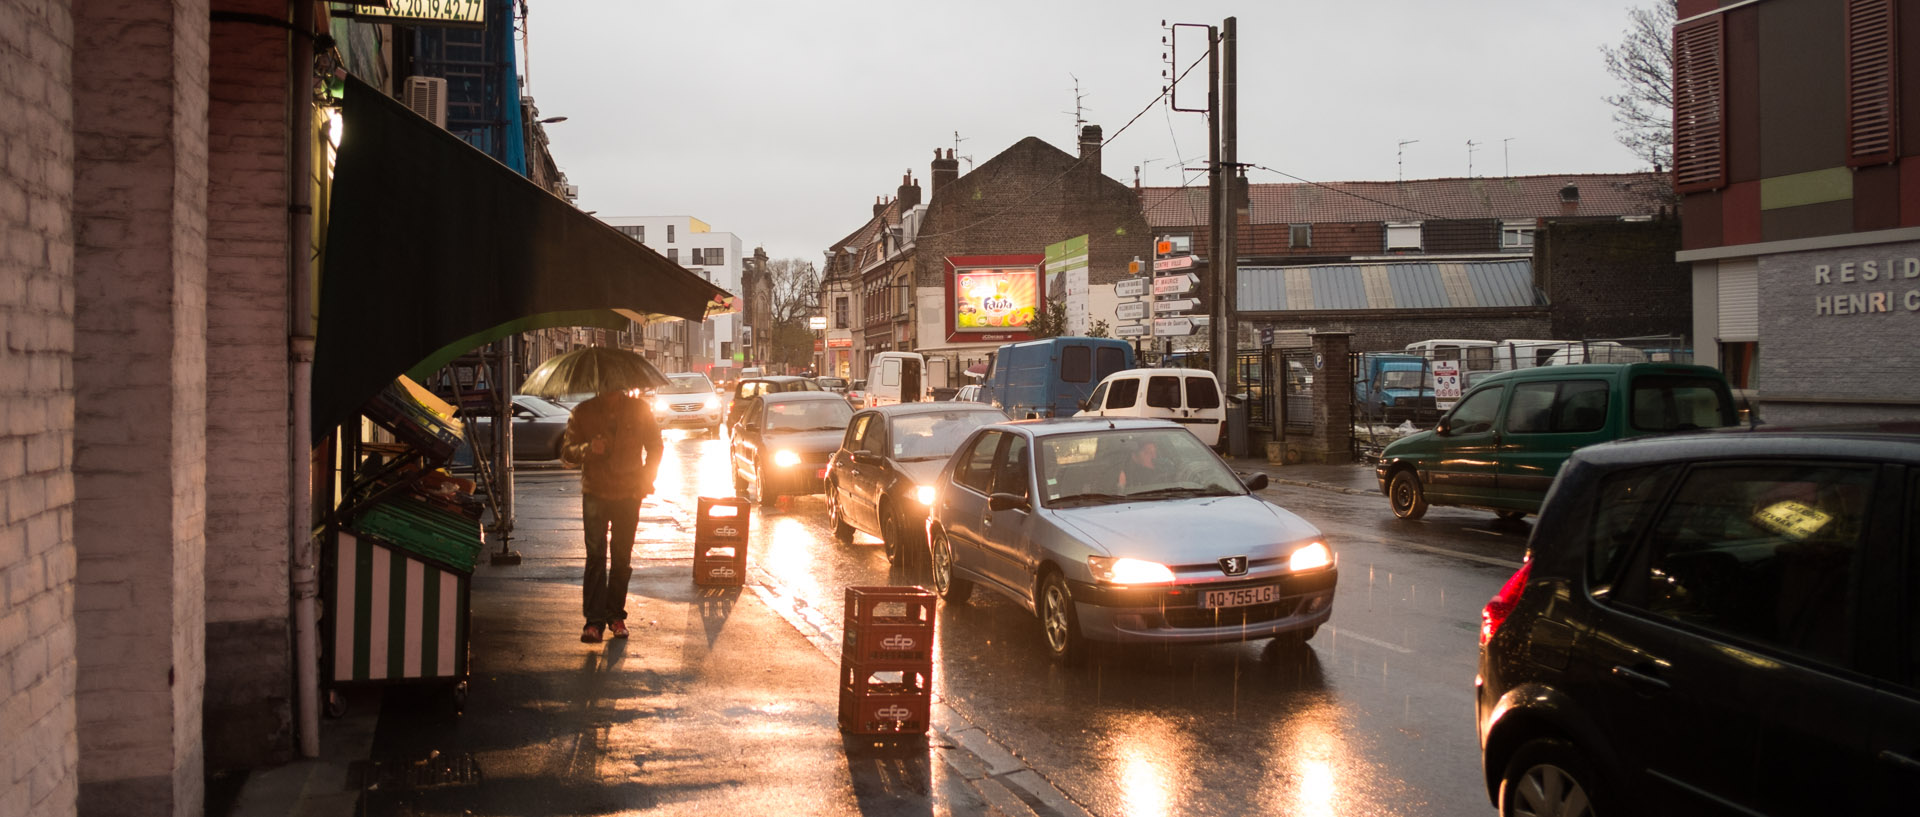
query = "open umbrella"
x=593 y=370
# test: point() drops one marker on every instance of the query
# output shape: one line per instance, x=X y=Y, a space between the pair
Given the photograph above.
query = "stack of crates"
x=886 y=661
x=720 y=542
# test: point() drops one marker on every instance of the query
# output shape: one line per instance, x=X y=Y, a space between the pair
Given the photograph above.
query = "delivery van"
x=897 y=377
x=1190 y=397
x=1049 y=377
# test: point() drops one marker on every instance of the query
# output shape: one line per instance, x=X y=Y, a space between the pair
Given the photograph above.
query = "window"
x=1760 y=552
x=1677 y=403
x=1076 y=364
x=1202 y=393
x=856 y=433
x=1011 y=478
x=840 y=313
x=1516 y=235
x=696 y=256
x=1125 y=393
x=1475 y=414
x=716 y=256
x=1872 y=66
x=1099 y=396
x=1699 y=105
x=1739 y=361
x=1111 y=359
x=636 y=233
x=1623 y=507
x=673 y=255
x=1403 y=235
x=1558 y=407
x=1299 y=235
x=1163 y=392
x=669 y=234
x=976 y=466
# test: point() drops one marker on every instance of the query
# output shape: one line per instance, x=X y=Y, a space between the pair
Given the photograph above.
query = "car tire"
x=891 y=536
x=1548 y=777
x=761 y=495
x=739 y=482
x=951 y=588
x=1404 y=493
x=837 y=516
x=1060 y=621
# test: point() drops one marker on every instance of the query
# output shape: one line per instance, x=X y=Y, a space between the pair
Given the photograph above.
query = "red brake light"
x=1497 y=610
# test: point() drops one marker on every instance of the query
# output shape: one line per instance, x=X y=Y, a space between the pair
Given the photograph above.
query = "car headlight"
x=1129 y=571
x=1310 y=557
x=710 y=403
x=924 y=493
x=660 y=404
x=786 y=459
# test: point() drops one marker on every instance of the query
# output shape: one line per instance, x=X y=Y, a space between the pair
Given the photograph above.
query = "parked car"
x=969 y=393
x=1189 y=397
x=1393 y=387
x=1501 y=445
x=538 y=425
x=783 y=441
x=1049 y=377
x=857 y=393
x=881 y=480
x=688 y=401
x=1716 y=623
x=1124 y=530
x=749 y=388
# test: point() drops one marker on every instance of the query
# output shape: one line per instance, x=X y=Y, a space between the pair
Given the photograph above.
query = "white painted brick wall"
x=38 y=746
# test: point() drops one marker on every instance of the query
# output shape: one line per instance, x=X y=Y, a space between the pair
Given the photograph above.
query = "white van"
x=897 y=377
x=1190 y=397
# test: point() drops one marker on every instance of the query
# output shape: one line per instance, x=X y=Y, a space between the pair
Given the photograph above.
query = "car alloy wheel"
x=837 y=516
x=950 y=587
x=1546 y=778
x=1408 y=501
x=1059 y=622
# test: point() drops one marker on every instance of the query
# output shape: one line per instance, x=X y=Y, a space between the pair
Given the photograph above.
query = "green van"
x=1500 y=447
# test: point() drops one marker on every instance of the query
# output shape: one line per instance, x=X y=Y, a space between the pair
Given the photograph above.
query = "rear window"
x=1678 y=403
x=1163 y=392
x=1076 y=364
x=1202 y=393
x=1558 y=407
x=1110 y=360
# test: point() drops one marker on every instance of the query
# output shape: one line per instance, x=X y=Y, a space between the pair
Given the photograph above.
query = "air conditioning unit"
x=427 y=96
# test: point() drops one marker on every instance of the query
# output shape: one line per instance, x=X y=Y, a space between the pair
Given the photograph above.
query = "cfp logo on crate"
x=897 y=643
x=726 y=532
x=721 y=573
x=894 y=713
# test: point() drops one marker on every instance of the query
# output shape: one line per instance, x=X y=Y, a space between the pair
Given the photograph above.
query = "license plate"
x=1240 y=596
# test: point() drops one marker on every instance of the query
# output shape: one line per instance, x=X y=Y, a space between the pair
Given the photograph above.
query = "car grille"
x=1194 y=617
x=686 y=407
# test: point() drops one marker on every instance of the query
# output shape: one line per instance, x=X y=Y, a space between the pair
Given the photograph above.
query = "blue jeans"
x=604 y=589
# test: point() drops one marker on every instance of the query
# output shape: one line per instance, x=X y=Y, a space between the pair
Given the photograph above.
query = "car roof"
x=897 y=409
x=1889 y=442
x=773 y=378
x=1081 y=425
x=1597 y=370
x=1163 y=370
x=798 y=396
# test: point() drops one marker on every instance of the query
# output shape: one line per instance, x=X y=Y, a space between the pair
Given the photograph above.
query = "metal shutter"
x=1739 y=301
x=1872 y=73
x=1699 y=106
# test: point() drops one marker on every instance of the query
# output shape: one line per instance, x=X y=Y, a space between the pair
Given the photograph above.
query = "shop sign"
x=1863 y=279
x=839 y=343
x=991 y=301
x=443 y=12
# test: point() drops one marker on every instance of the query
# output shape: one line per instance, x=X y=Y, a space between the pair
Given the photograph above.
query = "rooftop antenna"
x=1506 y=161
x=1079 y=106
x=956 y=149
x=1400 y=157
x=1471 y=147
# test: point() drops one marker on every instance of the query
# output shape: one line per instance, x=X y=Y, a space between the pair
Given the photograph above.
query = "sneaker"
x=617 y=629
x=590 y=634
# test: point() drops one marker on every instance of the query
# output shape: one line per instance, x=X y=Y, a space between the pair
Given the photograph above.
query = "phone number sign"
x=444 y=12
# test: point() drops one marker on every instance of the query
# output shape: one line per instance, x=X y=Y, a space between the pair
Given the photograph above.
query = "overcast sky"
x=781 y=122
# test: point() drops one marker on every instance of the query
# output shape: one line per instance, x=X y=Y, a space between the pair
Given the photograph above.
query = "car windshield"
x=1679 y=403
x=687 y=384
x=795 y=385
x=934 y=436
x=1406 y=379
x=808 y=415
x=1130 y=465
x=832 y=382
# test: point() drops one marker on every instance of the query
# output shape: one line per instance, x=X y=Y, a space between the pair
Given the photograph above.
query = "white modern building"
x=693 y=244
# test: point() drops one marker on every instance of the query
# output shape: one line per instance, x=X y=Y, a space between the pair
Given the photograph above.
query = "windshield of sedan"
x=687 y=384
x=1130 y=465
x=935 y=436
x=808 y=415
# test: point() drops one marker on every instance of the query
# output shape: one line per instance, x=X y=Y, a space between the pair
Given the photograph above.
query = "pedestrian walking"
x=614 y=441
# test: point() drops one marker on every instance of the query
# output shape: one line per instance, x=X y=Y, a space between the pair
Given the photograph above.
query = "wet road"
x=1373 y=716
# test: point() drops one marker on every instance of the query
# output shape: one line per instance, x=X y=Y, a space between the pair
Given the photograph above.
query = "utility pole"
x=1226 y=325
x=1216 y=194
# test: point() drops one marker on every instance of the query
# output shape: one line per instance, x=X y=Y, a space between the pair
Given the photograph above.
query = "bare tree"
x=1643 y=63
x=796 y=284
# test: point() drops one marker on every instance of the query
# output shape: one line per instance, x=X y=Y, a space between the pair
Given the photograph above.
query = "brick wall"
x=139 y=380
x=1614 y=279
x=38 y=747
x=248 y=718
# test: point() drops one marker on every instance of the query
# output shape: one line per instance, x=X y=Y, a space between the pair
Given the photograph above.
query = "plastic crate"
x=885 y=699
x=720 y=541
x=883 y=643
x=720 y=565
x=889 y=607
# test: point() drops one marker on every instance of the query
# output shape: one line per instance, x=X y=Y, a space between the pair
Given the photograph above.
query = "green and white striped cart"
x=397 y=590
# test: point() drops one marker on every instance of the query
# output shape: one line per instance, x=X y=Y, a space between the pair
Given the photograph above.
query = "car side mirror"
x=866 y=458
x=1255 y=482
x=1007 y=502
x=1444 y=426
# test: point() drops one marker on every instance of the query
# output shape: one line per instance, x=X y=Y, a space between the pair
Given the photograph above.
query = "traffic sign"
x=1130 y=330
x=1174 y=305
x=1446 y=383
x=1179 y=284
x=1170 y=327
x=1131 y=311
x=1130 y=287
x=1266 y=336
x=1177 y=262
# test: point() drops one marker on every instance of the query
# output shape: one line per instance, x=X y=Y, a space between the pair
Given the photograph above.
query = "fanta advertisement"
x=994 y=300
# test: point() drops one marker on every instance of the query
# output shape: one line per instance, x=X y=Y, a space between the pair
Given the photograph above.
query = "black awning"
x=431 y=242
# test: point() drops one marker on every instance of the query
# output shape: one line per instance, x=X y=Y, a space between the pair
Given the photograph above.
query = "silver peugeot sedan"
x=1128 y=531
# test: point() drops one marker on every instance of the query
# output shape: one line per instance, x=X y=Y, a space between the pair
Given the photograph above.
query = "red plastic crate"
x=889 y=606
x=720 y=541
x=896 y=643
x=884 y=679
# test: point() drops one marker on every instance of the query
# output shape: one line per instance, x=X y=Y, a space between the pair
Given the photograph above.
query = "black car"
x=881 y=480
x=1715 y=623
x=751 y=387
x=783 y=441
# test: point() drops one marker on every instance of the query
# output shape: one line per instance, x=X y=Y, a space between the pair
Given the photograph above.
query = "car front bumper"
x=702 y=418
x=1173 y=615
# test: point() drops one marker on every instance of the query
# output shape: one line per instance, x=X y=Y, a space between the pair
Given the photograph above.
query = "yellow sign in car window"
x=1791 y=519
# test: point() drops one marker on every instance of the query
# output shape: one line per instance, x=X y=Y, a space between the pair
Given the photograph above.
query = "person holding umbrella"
x=617 y=446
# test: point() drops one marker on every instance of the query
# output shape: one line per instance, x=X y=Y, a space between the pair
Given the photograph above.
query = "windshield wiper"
x=1085 y=498
x=1169 y=493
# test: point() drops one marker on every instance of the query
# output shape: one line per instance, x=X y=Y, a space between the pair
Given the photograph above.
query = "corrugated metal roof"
x=1516 y=197
x=1408 y=285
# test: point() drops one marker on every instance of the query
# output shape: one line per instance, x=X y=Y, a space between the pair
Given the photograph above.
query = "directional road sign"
x=1130 y=287
x=1174 y=306
x=1131 y=311
x=1177 y=262
x=1179 y=284
x=1130 y=330
x=1170 y=327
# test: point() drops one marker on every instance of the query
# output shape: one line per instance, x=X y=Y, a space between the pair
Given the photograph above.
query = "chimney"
x=1090 y=149
x=945 y=170
x=1570 y=192
x=909 y=193
x=879 y=205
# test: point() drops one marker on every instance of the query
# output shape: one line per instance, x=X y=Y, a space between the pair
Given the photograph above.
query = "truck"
x=1392 y=386
x=1051 y=376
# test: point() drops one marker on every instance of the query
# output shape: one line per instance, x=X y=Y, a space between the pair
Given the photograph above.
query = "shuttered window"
x=1699 y=105
x=1872 y=72
x=1739 y=301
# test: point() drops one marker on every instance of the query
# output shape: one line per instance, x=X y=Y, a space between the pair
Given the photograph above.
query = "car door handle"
x=1646 y=682
x=1899 y=761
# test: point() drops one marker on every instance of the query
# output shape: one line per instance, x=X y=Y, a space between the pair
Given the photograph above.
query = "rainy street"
x=1374 y=716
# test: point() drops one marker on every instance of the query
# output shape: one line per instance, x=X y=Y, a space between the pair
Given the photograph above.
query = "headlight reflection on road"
x=1318 y=764
x=789 y=555
x=1149 y=751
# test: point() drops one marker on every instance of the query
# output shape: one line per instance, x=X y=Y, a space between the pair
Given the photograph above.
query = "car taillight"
x=1497 y=610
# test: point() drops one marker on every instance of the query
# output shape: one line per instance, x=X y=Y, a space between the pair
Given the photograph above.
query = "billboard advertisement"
x=992 y=298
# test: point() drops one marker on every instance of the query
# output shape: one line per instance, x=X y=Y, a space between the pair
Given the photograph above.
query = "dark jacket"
x=626 y=468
